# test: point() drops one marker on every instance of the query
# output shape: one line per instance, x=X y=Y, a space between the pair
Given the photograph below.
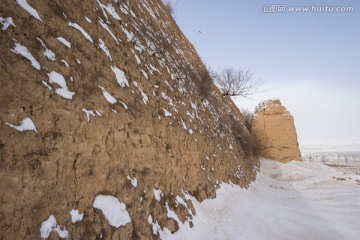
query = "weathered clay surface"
x=275 y=131
x=167 y=128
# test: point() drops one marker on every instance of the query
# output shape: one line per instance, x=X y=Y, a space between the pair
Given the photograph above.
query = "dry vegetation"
x=242 y=133
x=169 y=6
x=248 y=117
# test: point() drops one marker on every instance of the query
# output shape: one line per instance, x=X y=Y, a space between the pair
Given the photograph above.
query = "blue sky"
x=311 y=61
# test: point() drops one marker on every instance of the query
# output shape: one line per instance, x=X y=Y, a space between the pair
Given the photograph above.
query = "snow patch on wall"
x=88 y=113
x=145 y=97
x=133 y=181
x=47 y=53
x=107 y=96
x=157 y=194
x=88 y=19
x=65 y=63
x=63 y=91
x=76 y=216
x=106 y=27
x=104 y=48
x=114 y=210
x=25 y=125
x=64 y=41
x=50 y=225
x=167 y=113
x=23 y=51
x=6 y=22
x=83 y=32
x=120 y=77
x=110 y=9
x=24 y=4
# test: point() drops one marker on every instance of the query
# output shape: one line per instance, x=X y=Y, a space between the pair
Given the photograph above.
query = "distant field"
x=348 y=162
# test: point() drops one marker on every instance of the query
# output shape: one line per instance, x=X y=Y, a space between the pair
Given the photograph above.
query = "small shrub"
x=245 y=137
x=204 y=85
x=202 y=81
x=169 y=6
x=248 y=117
x=164 y=43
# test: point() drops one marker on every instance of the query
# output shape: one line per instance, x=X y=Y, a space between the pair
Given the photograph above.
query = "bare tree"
x=234 y=82
x=346 y=158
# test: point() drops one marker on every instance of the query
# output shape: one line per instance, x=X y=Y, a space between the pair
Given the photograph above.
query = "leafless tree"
x=235 y=82
x=346 y=158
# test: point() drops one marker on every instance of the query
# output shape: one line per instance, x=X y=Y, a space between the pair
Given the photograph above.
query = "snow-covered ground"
x=297 y=200
x=331 y=145
x=347 y=162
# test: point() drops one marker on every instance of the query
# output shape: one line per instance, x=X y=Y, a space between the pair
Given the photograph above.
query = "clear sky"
x=310 y=61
